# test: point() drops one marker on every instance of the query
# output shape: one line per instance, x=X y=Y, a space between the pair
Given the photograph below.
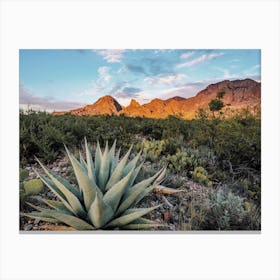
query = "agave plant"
x=106 y=195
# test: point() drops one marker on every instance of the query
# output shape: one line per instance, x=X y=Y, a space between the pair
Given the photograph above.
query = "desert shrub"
x=227 y=210
x=228 y=149
x=23 y=174
x=201 y=176
x=193 y=210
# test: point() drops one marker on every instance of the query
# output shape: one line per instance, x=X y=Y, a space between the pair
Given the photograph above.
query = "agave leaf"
x=56 y=205
x=115 y=159
x=165 y=190
x=89 y=188
x=134 y=194
x=56 y=191
x=70 y=197
x=127 y=219
x=143 y=194
x=115 y=193
x=83 y=163
x=160 y=178
x=40 y=216
x=143 y=221
x=104 y=168
x=69 y=220
x=131 y=165
x=141 y=184
x=140 y=226
x=117 y=174
x=118 y=154
x=89 y=164
x=113 y=151
x=65 y=183
x=100 y=212
x=133 y=176
x=98 y=157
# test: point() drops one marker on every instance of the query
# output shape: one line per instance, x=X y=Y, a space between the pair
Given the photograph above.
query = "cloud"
x=186 y=55
x=125 y=94
x=186 y=90
x=150 y=64
x=136 y=68
x=199 y=59
x=226 y=73
x=131 y=90
x=253 y=72
x=117 y=87
x=100 y=84
x=28 y=100
x=111 y=55
x=104 y=74
x=164 y=80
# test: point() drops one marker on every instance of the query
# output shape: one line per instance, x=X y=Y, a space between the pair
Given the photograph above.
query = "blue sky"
x=67 y=79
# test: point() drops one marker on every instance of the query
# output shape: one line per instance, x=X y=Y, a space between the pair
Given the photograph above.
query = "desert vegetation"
x=212 y=180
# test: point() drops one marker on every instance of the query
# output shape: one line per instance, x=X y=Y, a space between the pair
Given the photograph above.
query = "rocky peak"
x=176 y=98
x=134 y=103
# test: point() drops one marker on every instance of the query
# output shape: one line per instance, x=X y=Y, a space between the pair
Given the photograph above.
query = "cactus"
x=33 y=187
x=106 y=195
x=152 y=150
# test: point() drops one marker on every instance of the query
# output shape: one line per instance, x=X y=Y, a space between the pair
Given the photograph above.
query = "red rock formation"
x=238 y=94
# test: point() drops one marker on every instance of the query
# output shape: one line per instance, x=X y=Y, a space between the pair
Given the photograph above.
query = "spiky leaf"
x=142 y=185
x=73 y=200
x=100 y=212
x=89 y=163
x=61 y=180
x=104 y=169
x=56 y=191
x=89 y=188
x=69 y=220
x=56 y=205
x=128 y=218
x=115 y=193
x=131 y=165
x=40 y=216
x=118 y=172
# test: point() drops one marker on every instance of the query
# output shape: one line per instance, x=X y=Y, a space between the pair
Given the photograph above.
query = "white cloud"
x=254 y=70
x=199 y=59
x=28 y=100
x=187 y=90
x=226 y=73
x=111 y=56
x=104 y=75
x=164 y=80
x=186 y=55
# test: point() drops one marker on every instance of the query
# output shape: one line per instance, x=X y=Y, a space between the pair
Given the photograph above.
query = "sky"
x=57 y=80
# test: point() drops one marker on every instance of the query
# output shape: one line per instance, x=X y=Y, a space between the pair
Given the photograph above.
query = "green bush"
x=201 y=176
x=23 y=174
x=228 y=149
x=227 y=210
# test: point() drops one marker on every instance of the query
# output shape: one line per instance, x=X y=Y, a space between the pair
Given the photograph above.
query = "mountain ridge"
x=238 y=94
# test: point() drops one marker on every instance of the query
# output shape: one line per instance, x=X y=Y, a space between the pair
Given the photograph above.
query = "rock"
x=28 y=227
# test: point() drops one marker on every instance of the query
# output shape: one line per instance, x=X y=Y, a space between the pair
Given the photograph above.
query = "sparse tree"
x=216 y=104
